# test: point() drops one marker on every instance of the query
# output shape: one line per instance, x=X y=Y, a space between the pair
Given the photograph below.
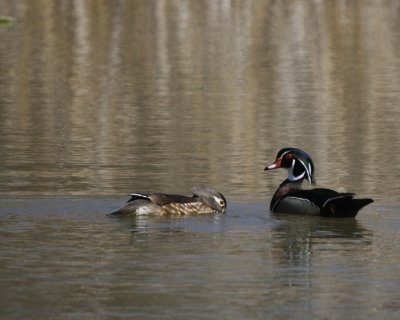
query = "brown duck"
x=205 y=200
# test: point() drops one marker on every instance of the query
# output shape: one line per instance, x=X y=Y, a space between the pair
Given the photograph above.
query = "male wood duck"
x=205 y=200
x=291 y=198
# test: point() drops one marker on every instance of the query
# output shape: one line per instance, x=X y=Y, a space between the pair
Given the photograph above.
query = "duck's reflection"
x=304 y=247
x=295 y=238
x=145 y=228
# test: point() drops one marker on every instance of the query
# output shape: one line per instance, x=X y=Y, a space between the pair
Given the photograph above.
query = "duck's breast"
x=296 y=205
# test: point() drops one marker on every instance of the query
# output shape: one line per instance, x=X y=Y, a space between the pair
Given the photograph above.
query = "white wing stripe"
x=335 y=198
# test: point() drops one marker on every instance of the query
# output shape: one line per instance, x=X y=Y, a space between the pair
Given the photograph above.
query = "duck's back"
x=322 y=202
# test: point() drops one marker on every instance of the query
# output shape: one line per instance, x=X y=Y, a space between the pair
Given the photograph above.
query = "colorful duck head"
x=298 y=163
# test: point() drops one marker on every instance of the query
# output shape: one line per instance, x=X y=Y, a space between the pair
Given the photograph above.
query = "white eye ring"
x=220 y=201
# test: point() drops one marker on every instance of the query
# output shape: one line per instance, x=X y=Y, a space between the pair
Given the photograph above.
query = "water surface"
x=61 y=256
x=99 y=99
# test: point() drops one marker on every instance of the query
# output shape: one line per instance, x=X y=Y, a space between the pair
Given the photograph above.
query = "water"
x=99 y=99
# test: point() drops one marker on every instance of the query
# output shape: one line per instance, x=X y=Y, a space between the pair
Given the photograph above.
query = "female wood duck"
x=291 y=198
x=204 y=200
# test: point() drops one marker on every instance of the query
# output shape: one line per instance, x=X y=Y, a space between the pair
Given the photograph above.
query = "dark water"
x=102 y=98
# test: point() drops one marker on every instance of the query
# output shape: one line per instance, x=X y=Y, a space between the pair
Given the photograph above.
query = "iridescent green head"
x=298 y=163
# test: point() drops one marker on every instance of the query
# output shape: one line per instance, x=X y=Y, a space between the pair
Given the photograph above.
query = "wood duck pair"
x=291 y=198
x=288 y=198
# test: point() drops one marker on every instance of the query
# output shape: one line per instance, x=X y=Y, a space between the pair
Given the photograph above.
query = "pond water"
x=99 y=99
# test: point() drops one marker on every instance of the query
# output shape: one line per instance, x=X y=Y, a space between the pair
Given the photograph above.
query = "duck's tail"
x=345 y=206
x=119 y=213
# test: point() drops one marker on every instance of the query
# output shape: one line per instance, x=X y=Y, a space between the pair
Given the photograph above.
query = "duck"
x=205 y=200
x=291 y=198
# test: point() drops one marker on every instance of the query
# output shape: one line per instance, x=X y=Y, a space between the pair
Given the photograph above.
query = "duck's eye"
x=221 y=203
x=289 y=156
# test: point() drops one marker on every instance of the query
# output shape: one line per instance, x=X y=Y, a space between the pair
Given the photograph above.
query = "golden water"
x=102 y=98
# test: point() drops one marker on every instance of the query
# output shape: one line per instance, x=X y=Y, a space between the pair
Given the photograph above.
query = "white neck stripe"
x=291 y=177
x=308 y=169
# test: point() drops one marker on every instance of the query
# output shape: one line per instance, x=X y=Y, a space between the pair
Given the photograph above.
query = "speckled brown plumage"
x=204 y=201
x=187 y=208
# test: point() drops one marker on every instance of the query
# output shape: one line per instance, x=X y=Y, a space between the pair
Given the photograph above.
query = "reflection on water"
x=62 y=255
x=111 y=97
x=295 y=237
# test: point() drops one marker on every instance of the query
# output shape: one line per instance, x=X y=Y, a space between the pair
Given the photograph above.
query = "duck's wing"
x=344 y=207
x=137 y=196
x=321 y=196
x=331 y=203
x=308 y=202
x=160 y=199
x=136 y=201
x=150 y=202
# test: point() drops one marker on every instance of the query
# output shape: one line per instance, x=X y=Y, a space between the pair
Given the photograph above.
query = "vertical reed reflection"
x=107 y=97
